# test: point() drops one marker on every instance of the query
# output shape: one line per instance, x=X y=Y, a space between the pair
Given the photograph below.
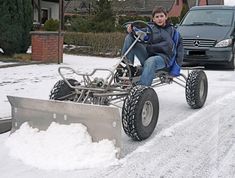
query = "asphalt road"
x=5 y=125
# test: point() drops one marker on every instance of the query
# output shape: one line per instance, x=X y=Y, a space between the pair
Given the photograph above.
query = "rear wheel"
x=61 y=91
x=140 y=112
x=196 y=89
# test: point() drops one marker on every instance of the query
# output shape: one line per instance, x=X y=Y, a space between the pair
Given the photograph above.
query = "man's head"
x=159 y=16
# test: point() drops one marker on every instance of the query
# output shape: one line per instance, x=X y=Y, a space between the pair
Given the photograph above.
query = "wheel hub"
x=147 y=113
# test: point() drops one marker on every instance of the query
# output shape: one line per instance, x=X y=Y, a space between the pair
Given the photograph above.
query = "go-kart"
x=90 y=99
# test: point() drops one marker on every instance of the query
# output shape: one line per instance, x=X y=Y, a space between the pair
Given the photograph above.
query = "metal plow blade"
x=102 y=122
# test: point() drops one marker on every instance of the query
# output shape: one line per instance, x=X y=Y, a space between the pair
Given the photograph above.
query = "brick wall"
x=45 y=46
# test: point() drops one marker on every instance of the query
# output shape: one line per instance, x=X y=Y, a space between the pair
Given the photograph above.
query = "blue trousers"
x=150 y=64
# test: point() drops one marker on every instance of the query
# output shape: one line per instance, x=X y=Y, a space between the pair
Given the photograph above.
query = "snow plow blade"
x=102 y=122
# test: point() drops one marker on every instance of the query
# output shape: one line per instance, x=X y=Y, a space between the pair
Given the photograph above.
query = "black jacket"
x=162 y=43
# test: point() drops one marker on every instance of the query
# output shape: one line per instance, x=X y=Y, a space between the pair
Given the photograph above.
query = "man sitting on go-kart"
x=163 y=50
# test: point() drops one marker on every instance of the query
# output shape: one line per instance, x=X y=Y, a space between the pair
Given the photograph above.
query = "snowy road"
x=185 y=143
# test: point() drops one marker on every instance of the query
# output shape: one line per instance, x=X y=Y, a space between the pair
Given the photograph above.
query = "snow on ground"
x=185 y=143
x=74 y=148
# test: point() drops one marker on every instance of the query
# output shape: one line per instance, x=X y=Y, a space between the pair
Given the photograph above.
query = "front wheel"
x=231 y=64
x=196 y=89
x=140 y=112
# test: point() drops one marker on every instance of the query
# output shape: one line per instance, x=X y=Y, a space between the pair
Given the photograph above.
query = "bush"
x=22 y=57
x=102 y=19
x=81 y=24
x=101 y=44
x=184 y=11
x=124 y=19
x=174 y=20
x=51 y=25
x=89 y=24
x=15 y=24
x=16 y=58
x=104 y=26
x=27 y=25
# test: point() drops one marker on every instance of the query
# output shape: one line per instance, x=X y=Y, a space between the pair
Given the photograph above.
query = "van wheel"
x=231 y=64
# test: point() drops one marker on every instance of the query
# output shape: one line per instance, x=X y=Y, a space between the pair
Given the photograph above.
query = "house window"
x=45 y=15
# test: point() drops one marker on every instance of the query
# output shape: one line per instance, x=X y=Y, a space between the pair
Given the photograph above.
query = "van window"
x=209 y=17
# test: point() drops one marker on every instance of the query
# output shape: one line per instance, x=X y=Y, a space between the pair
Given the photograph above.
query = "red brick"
x=45 y=46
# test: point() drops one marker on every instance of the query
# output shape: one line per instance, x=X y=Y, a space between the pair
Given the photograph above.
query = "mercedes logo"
x=196 y=43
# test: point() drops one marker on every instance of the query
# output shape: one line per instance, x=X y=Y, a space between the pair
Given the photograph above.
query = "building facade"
x=138 y=7
x=46 y=9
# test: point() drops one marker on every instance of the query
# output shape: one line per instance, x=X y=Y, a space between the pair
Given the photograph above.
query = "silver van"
x=208 y=34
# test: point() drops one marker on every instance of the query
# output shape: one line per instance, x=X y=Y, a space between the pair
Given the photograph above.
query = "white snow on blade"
x=61 y=147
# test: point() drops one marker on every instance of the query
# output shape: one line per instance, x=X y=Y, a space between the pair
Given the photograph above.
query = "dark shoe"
x=136 y=71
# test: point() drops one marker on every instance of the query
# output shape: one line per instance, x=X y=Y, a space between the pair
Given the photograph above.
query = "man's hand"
x=129 y=28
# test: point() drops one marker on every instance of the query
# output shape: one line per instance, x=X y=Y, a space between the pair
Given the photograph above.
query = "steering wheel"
x=141 y=30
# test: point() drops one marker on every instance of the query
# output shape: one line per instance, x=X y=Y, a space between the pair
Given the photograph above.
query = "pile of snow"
x=61 y=147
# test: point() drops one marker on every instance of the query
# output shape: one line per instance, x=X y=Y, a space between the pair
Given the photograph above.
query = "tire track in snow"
x=190 y=148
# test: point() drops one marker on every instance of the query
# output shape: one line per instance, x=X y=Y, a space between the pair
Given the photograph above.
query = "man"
x=159 y=53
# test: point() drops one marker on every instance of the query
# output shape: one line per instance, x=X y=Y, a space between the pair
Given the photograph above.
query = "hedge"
x=98 y=44
x=51 y=25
